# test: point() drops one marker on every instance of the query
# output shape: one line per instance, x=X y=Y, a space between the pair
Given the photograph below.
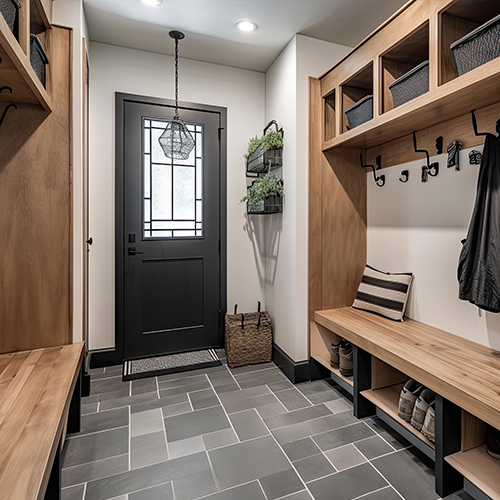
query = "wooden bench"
x=464 y=375
x=40 y=394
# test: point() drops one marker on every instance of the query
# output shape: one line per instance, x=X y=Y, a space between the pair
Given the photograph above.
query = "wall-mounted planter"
x=271 y=205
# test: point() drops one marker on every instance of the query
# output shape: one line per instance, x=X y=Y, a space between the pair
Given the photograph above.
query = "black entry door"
x=172 y=234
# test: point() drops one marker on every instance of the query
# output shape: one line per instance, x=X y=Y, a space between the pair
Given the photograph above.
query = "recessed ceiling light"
x=246 y=26
x=152 y=3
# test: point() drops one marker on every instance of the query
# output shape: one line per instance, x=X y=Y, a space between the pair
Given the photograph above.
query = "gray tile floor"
x=242 y=434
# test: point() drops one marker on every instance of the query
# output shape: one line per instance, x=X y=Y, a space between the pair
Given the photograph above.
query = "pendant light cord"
x=176 y=116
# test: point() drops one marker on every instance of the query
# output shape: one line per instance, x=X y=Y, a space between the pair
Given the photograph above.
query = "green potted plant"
x=265 y=195
x=266 y=152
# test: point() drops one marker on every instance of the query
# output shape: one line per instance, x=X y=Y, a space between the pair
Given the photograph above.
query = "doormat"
x=172 y=363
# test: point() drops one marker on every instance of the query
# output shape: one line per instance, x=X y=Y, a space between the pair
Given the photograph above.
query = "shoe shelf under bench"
x=321 y=339
x=464 y=376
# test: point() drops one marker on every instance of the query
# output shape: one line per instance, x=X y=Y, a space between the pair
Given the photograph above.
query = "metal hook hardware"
x=5 y=88
x=405 y=176
x=11 y=105
x=431 y=169
x=379 y=179
x=474 y=125
x=439 y=145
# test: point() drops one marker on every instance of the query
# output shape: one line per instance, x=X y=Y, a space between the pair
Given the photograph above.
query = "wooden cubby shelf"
x=335 y=371
x=422 y=30
x=479 y=468
x=387 y=399
x=17 y=73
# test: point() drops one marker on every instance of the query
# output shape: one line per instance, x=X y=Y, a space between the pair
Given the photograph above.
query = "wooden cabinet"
x=35 y=188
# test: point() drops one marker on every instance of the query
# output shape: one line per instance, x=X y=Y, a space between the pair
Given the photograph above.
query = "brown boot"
x=345 y=355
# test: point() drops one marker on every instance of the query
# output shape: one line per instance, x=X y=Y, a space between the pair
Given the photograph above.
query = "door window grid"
x=172 y=189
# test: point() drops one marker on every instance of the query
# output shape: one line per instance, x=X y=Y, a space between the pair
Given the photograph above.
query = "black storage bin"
x=271 y=205
x=38 y=58
x=360 y=112
x=411 y=85
x=478 y=47
x=9 y=9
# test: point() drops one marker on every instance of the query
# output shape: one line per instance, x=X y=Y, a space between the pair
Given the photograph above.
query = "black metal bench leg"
x=53 y=491
x=362 y=362
x=75 y=407
x=448 y=441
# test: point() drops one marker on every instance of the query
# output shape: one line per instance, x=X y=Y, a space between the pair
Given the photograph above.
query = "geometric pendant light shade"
x=176 y=140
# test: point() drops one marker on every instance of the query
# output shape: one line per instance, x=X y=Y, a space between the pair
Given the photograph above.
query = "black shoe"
x=345 y=355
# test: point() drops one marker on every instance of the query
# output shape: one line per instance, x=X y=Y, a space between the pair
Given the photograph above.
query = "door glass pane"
x=172 y=189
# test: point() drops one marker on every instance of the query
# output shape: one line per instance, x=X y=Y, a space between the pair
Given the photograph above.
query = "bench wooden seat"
x=38 y=390
x=464 y=375
x=462 y=371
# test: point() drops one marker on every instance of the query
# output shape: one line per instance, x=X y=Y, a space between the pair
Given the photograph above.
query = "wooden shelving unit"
x=16 y=70
x=479 y=468
x=387 y=399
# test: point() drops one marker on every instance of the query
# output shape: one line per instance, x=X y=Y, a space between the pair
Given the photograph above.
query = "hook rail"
x=431 y=169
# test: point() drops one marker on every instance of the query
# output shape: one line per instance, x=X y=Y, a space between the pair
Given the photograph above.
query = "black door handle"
x=133 y=251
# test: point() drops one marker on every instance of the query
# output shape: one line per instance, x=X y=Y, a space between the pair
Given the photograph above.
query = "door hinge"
x=220 y=132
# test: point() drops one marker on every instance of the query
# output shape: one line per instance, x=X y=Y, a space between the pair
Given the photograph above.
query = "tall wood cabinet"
x=35 y=185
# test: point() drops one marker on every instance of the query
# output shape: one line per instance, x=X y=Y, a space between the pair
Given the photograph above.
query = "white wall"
x=287 y=101
x=418 y=227
x=69 y=13
x=115 y=69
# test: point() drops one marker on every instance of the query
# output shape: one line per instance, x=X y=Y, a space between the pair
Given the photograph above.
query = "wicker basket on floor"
x=249 y=338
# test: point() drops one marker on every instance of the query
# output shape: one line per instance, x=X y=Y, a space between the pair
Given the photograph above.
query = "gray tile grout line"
x=286 y=456
x=96 y=432
x=92 y=462
x=292 y=494
x=262 y=489
x=371 y=492
x=382 y=476
x=129 y=438
x=379 y=435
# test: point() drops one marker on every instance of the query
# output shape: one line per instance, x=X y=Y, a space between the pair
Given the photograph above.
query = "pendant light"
x=176 y=140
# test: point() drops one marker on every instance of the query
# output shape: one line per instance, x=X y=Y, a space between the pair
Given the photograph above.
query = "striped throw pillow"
x=383 y=293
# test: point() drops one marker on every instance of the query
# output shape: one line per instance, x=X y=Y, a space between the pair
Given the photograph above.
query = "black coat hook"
x=11 y=105
x=405 y=176
x=431 y=169
x=474 y=125
x=439 y=145
x=5 y=88
x=379 y=179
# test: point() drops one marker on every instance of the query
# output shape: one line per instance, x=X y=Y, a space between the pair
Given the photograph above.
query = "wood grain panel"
x=466 y=373
x=33 y=410
x=316 y=159
x=474 y=431
x=35 y=215
x=401 y=150
x=343 y=227
x=384 y=375
x=452 y=29
x=480 y=469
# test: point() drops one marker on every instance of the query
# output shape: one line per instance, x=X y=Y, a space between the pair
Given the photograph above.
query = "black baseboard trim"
x=100 y=358
x=296 y=372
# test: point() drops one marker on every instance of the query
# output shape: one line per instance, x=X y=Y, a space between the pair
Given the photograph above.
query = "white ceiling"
x=211 y=34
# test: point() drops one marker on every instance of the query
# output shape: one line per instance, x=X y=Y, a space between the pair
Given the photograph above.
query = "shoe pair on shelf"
x=416 y=405
x=341 y=357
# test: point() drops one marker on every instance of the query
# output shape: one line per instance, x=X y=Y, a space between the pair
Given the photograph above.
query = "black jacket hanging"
x=479 y=262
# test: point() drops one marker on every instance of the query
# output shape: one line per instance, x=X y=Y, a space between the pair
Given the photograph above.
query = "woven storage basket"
x=38 y=58
x=411 y=85
x=360 y=112
x=478 y=47
x=9 y=9
x=249 y=338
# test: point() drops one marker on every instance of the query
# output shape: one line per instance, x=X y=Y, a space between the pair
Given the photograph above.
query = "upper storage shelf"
x=410 y=54
x=15 y=69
